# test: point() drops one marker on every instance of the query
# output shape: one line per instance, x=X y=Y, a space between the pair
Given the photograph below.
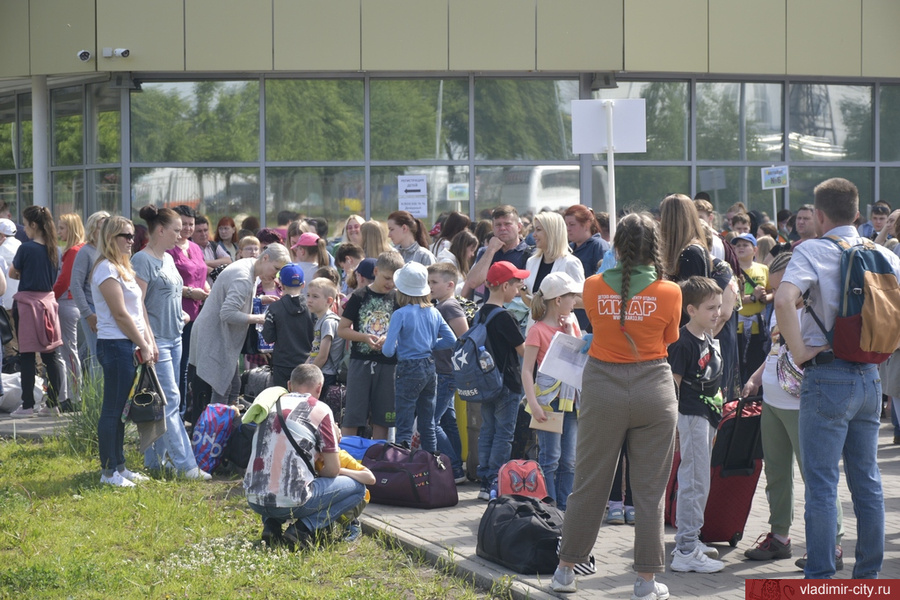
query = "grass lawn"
x=64 y=535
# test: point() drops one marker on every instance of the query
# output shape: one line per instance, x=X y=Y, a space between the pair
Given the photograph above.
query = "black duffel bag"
x=521 y=534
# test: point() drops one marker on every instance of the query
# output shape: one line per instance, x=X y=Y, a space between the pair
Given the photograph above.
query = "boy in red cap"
x=498 y=416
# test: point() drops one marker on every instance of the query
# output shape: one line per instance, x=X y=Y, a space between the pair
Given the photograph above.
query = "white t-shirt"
x=7 y=253
x=773 y=394
x=107 y=329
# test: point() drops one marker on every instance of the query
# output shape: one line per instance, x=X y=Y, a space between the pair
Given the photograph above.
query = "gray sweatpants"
x=631 y=403
x=695 y=436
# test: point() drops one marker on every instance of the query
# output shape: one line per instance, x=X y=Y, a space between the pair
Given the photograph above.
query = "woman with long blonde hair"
x=373 y=238
x=71 y=232
x=80 y=282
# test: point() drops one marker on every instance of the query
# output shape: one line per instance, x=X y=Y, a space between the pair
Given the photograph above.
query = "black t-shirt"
x=504 y=336
x=36 y=272
x=370 y=313
x=544 y=269
x=698 y=361
x=693 y=261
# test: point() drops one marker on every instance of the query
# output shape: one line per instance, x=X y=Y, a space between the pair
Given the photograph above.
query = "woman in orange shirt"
x=628 y=397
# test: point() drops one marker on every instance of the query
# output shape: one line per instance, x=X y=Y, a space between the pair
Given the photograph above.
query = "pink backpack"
x=523 y=478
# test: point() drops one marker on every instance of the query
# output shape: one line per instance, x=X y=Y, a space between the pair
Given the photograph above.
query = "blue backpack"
x=475 y=372
x=211 y=433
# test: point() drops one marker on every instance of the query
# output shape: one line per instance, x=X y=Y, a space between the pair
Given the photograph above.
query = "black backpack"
x=521 y=534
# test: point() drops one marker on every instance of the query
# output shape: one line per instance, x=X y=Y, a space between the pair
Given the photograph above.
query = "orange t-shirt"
x=651 y=320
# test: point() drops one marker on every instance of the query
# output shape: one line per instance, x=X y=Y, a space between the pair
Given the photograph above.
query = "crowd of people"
x=684 y=310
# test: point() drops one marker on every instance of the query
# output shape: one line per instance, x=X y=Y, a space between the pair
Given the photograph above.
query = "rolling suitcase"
x=736 y=467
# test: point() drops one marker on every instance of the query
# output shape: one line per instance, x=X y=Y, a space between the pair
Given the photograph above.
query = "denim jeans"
x=90 y=363
x=840 y=408
x=556 y=456
x=445 y=427
x=498 y=425
x=117 y=360
x=331 y=497
x=175 y=441
x=414 y=385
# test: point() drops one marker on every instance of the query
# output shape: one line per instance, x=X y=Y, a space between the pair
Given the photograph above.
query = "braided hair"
x=637 y=244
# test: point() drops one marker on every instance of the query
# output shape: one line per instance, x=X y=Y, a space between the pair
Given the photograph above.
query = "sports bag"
x=521 y=534
x=475 y=372
x=867 y=326
x=413 y=478
x=356 y=446
x=211 y=433
x=240 y=445
x=256 y=380
x=522 y=478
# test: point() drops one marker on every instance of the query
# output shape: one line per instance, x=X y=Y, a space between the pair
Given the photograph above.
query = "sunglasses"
x=128 y=236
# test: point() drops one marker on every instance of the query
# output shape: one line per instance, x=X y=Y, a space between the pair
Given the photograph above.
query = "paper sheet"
x=564 y=360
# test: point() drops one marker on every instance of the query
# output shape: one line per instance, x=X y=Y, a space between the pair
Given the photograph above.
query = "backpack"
x=522 y=477
x=867 y=326
x=211 y=433
x=473 y=383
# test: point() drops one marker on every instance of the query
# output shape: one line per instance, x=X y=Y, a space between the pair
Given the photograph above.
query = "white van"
x=532 y=189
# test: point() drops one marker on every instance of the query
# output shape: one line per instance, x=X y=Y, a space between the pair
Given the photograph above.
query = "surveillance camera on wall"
x=122 y=52
x=84 y=55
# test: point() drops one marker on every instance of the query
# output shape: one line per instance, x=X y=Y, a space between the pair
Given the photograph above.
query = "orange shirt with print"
x=651 y=320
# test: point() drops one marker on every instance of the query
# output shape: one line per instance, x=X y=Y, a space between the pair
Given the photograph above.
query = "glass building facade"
x=334 y=146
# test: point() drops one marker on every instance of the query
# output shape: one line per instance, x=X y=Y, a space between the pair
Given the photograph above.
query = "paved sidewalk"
x=449 y=536
x=33 y=428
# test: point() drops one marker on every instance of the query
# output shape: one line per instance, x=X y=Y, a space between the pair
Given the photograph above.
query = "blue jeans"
x=116 y=357
x=175 y=441
x=498 y=425
x=414 y=383
x=556 y=456
x=331 y=497
x=840 y=408
x=445 y=427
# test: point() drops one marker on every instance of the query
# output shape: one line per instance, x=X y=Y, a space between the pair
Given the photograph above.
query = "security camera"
x=122 y=52
x=84 y=55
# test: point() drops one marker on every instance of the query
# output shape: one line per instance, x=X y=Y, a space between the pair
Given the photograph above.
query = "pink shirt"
x=540 y=335
x=193 y=273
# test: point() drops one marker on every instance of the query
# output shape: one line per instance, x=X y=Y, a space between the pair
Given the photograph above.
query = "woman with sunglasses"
x=122 y=326
x=35 y=266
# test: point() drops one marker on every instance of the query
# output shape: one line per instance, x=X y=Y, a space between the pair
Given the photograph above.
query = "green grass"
x=63 y=535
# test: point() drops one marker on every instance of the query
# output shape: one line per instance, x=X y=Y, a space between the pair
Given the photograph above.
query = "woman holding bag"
x=122 y=325
x=161 y=286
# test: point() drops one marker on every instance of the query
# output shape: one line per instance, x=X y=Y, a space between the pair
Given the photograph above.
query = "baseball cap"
x=502 y=271
x=291 y=275
x=7 y=227
x=412 y=279
x=366 y=268
x=748 y=237
x=558 y=284
x=307 y=239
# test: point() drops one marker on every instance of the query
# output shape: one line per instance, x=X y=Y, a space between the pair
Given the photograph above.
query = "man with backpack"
x=840 y=401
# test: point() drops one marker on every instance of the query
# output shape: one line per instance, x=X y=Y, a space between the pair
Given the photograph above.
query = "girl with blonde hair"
x=71 y=231
x=80 y=282
x=373 y=238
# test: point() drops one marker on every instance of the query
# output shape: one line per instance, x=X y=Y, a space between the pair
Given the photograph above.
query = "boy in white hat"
x=423 y=330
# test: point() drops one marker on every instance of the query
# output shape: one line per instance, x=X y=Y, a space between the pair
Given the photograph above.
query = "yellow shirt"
x=760 y=276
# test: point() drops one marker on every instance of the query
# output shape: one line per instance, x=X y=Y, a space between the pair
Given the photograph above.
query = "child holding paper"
x=551 y=309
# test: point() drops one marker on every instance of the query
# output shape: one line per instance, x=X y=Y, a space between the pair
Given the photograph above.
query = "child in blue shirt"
x=423 y=330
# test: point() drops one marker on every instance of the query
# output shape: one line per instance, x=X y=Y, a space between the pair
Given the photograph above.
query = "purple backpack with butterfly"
x=522 y=478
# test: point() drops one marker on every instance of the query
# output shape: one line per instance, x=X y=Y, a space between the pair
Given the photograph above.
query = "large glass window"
x=68 y=192
x=736 y=116
x=804 y=179
x=668 y=116
x=334 y=193
x=417 y=119
x=447 y=190
x=890 y=124
x=212 y=192
x=205 y=121
x=26 y=144
x=8 y=193
x=725 y=184
x=524 y=119
x=104 y=124
x=830 y=122
x=315 y=119
x=643 y=188
x=104 y=191
x=67 y=113
x=8 y=132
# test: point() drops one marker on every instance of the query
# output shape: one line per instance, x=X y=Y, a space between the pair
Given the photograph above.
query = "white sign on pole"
x=412 y=195
x=589 y=126
x=774 y=177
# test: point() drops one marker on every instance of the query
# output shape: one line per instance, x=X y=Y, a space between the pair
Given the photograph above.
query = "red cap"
x=502 y=271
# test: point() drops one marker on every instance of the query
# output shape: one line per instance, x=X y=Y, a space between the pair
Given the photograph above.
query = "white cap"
x=412 y=279
x=557 y=284
x=7 y=227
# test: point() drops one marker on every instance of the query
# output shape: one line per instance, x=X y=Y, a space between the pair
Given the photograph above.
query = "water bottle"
x=485 y=360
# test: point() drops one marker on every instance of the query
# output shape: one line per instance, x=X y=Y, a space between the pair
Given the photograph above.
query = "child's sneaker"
x=22 y=413
x=615 y=516
x=769 y=549
x=649 y=590
x=48 y=411
x=116 y=479
x=696 y=561
x=354 y=530
x=485 y=492
x=629 y=516
x=563 y=580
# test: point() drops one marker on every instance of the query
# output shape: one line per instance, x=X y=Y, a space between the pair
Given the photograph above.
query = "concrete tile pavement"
x=448 y=536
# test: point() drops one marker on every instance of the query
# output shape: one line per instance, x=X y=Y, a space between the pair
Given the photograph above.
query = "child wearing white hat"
x=422 y=330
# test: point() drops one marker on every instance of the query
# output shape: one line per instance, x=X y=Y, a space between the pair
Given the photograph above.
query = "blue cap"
x=291 y=275
x=747 y=237
x=366 y=268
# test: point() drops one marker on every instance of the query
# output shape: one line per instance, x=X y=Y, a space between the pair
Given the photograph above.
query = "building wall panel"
x=492 y=35
x=880 y=38
x=747 y=37
x=661 y=35
x=59 y=29
x=824 y=37
x=404 y=35
x=317 y=35
x=152 y=31
x=583 y=35
x=14 y=39
x=228 y=35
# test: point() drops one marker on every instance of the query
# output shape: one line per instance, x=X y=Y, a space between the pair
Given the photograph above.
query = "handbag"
x=6 y=330
x=413 y=478
x=147 y=402
x=520 y=533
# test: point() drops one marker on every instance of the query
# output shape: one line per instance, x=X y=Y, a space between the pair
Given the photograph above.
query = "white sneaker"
x=22 y=413
x=563 y=581
x=48 y=411
x=116 y=479
x=133 y=477
x=707 y=550
x=696 y=561
x=196 y=473
x=659 y=592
